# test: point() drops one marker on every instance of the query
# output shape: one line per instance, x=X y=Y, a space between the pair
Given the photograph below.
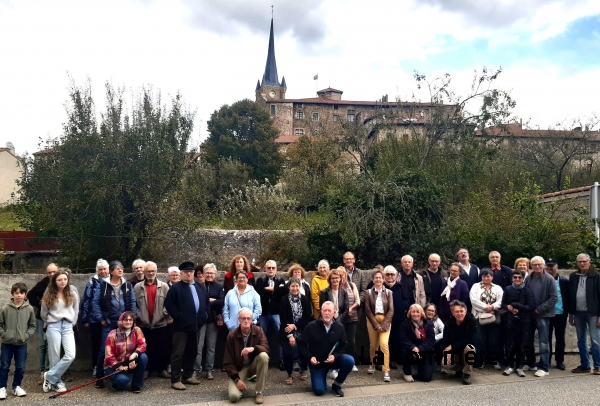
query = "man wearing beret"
x=187 y=303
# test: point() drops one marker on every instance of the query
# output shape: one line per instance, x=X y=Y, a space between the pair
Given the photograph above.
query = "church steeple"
x=270 y=88
x=270 y=77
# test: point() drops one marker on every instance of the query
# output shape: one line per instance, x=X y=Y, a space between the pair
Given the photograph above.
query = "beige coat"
x=160 y=316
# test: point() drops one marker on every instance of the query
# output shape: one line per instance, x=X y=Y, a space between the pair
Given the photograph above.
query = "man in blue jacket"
x=116 y=296
x=187 y=303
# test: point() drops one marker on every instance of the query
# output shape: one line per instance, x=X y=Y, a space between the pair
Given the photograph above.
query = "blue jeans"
x=59 y=334
x=542 y=325
x=100 y=361
x=19 y=352
x=583 y=322
x=318 y=376
x=136 y=377
x=271 y=321
x=43 y=347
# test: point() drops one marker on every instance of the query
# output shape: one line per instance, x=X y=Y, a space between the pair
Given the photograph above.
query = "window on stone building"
x=272 y=109
x=335 y=117
x=351 y=115
x=299 y=131
x=315 y=116
x=335 y=106
x=299 y=115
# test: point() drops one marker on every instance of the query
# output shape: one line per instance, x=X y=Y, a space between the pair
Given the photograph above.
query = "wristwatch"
x=236 y=380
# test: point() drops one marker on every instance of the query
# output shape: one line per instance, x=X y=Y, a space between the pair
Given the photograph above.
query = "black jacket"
x=502 y=278
x=214 y=291
x=427 y=282
x=408 y=338
x=270 y=300
x=180 y=305
x=520 y=299
x=317 y=342
x=460 y=336
x=327 y=295
x=286 y=317
x=592 y=292
x=34 y=296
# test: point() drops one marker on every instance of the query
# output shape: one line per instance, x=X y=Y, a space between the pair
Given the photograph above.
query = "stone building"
x=10 y=173
x=322 y=115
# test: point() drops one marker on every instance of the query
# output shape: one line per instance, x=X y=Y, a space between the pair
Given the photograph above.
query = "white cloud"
x=361 y=49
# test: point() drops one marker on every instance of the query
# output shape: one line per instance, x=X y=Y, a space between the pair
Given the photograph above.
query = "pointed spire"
x=270 y=76
x=257 y=84
x=283 y=82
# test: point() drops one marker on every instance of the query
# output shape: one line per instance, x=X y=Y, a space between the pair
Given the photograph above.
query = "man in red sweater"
x=152 y=318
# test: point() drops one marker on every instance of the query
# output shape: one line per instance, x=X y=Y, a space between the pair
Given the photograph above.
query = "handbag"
x=486 y=318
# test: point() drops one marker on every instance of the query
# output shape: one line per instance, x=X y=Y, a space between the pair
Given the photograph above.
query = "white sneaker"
x=2 y=393
x=409 y=378
x=508 y=371
x=45 y=385
x=354 y=369
x=18 y=391
x=497 y=366
x=520 y=372
x=386 y=377
x=541 y=373
x=60 y=387
x=333 y=374
x=371 y=369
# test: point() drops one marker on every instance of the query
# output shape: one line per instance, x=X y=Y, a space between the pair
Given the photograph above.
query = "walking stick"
x=82 y=385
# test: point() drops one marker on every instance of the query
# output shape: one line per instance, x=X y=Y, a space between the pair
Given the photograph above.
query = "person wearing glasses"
x=187 y=303
x=319 y=282
x=271 y=289
x=543 y=288
x=246 y=355
x=152 y=318
x=242 y=295
x=126 y=352
x=438 y=325
x=517 y=301
x=210 y=330
x=584 y=311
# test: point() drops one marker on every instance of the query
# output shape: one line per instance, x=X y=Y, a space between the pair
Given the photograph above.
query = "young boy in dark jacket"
x=17 y=324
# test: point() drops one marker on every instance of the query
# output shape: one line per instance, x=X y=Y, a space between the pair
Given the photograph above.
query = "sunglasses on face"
x=517 y=277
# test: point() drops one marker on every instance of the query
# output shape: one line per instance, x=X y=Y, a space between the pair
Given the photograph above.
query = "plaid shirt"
x=119 y=350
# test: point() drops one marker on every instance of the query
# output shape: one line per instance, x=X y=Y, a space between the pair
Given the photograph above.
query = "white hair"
x=390 y=268
x=435 y=255
x=244 y=309
x=328 y=303
x=137 y=262
x=271 y=262
x=494 y=252
x=101 y=262
x=209 y=265
x=584 y=255
x=173 y=269
x=407 y=257
x=323 y=261
x=538 y=258
x=150 y=263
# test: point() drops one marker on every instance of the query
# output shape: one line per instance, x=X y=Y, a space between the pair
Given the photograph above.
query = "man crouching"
x=246 y=354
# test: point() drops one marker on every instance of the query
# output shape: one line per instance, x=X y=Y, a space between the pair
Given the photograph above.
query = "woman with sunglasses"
x=518 y=303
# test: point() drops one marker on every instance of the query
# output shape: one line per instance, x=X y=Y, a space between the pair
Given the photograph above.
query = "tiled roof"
x=517 y=130
x=9 y=151
x=322 y=100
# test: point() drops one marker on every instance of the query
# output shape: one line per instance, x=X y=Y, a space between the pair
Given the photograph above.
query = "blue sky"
x=213 y=52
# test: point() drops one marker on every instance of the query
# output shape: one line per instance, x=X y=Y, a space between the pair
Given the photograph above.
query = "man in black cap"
x=187 y=303
x=558 y=323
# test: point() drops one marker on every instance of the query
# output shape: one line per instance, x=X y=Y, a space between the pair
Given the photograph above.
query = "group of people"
x=459 y=319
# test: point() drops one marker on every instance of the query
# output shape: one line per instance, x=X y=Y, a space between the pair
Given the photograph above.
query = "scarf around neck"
x=449 y=287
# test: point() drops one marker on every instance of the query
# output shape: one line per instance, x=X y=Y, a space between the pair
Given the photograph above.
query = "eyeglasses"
x=245 y=318
x=390 y=274
x=517 y=277
x=271 y=267
x=209 y=273
x=241 y=277
x=128 y=321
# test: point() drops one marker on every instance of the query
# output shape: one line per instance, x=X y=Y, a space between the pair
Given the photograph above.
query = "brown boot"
x=178 y=386
x=259 y=398
x=164 y=374
x=191 y=381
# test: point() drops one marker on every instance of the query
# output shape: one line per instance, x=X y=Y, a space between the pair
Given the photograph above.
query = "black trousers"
x=558 y=325
x=394 y=342
x=96 y=338
x=158 y=353
x=350 y=329
x=516 y=337
x=185 y=349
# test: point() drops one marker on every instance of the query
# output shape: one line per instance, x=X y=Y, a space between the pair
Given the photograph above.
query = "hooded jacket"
x=317 y=284
x=107 y=306
x=17 y=324
x=120 y=346
x=592 y=293
x=231 y=307
x=90 y=294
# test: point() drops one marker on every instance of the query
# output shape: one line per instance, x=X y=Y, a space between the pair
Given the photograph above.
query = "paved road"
x=573 y=390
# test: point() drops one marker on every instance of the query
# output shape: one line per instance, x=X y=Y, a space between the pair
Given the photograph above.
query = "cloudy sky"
x=213 y=52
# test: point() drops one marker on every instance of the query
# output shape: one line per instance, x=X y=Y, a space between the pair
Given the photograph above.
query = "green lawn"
x=8 y=220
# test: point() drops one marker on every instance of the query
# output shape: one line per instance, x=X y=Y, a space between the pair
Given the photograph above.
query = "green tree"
x=244 y=132
x=101 y=186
